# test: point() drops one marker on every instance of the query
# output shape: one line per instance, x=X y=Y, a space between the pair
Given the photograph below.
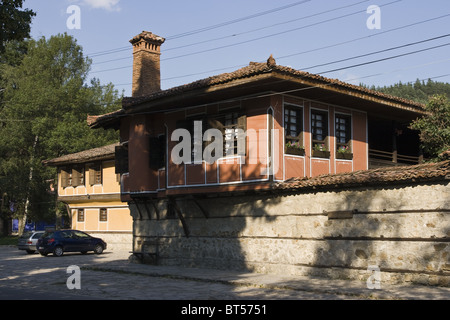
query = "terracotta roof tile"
x=101 y=153
x=254 y=69
x=379 y=176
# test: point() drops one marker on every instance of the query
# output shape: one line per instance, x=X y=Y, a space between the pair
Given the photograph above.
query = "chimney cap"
x=148 y=36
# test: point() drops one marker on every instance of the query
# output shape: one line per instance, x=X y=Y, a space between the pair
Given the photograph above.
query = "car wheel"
x=58 y=251
x=98 y=249
x=31 y=251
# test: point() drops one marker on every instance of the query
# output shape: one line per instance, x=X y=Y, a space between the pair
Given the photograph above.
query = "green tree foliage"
x=14 y=23
x=435 y=126
x=43 y=115
x=419 y=91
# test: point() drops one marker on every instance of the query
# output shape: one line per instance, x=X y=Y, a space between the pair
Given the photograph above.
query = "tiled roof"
x=255 y=69
x=258 y=68
x=379 y=176
x=101 y=153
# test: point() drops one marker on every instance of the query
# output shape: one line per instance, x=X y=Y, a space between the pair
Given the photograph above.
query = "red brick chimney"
x=146 y=63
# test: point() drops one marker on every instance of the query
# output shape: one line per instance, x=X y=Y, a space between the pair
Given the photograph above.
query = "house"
x=272 y=169
x=275 y=122
x=90 y=188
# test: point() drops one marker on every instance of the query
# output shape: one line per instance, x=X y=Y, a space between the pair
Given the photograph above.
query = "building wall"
x=403 y=230
x=117 y=229
x=234 y=171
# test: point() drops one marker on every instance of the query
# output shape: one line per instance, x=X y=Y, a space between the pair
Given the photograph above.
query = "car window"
x=66 y=234
x=37 y=235
x=48 y=235
x=80 y=234
x=26 y=235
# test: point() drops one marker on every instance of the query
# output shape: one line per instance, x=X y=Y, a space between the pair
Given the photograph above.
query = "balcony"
x=379 y=158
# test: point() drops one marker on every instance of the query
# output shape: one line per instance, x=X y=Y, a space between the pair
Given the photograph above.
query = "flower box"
x=294 y=151
x=344 y=155
x=320 y=154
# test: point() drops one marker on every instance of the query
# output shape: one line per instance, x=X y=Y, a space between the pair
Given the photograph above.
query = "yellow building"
x=89 y=186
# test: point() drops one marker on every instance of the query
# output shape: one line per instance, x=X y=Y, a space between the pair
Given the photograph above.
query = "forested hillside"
x=418 y=91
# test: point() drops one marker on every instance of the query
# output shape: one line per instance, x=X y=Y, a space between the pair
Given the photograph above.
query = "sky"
x=374 y=42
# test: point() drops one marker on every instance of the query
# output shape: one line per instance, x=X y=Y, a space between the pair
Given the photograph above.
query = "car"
x=27 y=241
x=59 y=241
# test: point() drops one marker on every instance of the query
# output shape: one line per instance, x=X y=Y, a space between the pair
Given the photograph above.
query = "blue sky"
x=209 y=37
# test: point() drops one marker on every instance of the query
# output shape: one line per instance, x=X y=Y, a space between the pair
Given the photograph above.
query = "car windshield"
x=37 y=235
x=80 y=234
x=48 y=235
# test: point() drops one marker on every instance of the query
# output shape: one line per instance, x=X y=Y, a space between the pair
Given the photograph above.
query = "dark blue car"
x=60 y=241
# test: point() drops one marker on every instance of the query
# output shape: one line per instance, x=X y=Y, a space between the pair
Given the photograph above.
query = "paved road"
x=110 y=276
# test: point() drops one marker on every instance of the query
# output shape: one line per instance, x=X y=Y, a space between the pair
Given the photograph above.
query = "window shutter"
x=91 y=175
x=242 y=135
x=75 y=178
x=121 y=159
x=64 y=178
x=155 y=153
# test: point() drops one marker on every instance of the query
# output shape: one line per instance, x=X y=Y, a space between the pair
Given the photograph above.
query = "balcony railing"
x=379 y=158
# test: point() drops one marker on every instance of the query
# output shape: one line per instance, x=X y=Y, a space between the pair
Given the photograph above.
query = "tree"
x=43 y=115
x=14 y=23
x=435 y=126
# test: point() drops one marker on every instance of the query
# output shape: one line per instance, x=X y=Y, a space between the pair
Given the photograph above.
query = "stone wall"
x=115 y=240
x=403 y=230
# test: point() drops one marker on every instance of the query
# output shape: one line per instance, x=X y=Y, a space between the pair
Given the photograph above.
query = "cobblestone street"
x=110 y=276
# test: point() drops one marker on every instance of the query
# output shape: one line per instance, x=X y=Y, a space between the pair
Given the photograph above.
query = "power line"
x=272 y=35
x=265 y=27
x=219 y=25
x=203 y=29
x=241 y=33
x=385 y=59
x=251 y=40
x=377 y=52
x=365 y=37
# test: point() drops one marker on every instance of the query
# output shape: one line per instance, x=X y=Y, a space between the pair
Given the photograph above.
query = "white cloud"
x=110 y=5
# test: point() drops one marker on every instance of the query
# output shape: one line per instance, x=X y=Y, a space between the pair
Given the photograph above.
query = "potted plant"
x=294 y=148
x=343 y=152
x=320 y=151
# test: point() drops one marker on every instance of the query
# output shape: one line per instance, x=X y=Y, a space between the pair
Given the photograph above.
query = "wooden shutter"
x=64 y=177
x=75 y=177
x=94 y=172
x=121 y=159
x=91 y=175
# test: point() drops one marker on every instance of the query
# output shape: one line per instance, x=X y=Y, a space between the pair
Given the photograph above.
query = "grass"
x=8 y=240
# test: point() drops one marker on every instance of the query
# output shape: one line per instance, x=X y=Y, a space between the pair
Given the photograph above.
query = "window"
x=158 y=152
x=230 y=124
x=72 y=177
x=77 y=176
x=80 y=215
x=103 y=216
x=121 y=158
x=196 y=144
x=319 y=130
x=293 y=127
x=95 y=174
x=343 y=131
x=230 y=135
